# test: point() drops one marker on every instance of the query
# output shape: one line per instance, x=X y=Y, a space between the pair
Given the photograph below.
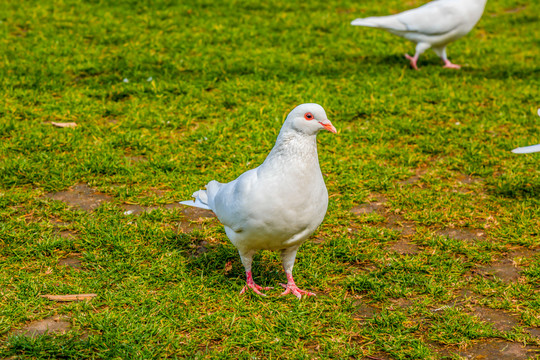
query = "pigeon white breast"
x=279 y=204
x=433 y=25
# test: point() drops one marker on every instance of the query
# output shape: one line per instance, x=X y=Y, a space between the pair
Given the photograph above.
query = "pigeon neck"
x=293 y=145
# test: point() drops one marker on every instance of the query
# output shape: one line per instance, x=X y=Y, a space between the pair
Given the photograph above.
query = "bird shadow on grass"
x=376 y=60
x=498 y=72
x=501 y=72
x=221 y=262
x=517 y=190
x=515 y=187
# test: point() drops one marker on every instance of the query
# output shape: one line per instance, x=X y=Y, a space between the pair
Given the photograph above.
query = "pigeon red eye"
x=308 y=116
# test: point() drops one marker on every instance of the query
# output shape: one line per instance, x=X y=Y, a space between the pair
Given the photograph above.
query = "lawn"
x=431 y=245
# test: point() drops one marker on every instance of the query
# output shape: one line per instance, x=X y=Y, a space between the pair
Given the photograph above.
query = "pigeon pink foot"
x=413 y=60
x=292 y=288
x=449 y=65
x=250 y=284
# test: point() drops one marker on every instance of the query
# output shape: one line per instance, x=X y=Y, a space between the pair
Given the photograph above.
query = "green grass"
x=224 y=76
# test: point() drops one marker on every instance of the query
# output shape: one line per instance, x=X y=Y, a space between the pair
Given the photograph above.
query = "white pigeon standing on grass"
x=528 y=149
x=433 y=25
x=277 y=205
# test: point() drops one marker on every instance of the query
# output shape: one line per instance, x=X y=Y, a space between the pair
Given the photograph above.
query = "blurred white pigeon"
x=277 y=205
x=527 y=149
x=433 y=25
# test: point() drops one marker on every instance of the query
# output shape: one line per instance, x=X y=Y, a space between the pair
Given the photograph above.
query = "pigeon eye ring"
x=308 y=116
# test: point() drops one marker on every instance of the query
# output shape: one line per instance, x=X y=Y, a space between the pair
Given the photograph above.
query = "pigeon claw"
x=413 y=61
x=256 y=289
x=449 y=65
x=293 y=289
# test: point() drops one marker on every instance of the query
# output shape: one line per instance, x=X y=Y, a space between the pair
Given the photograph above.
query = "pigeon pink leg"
x=292 y=288
x=413 y=60
x=419 y=50
x=449 y=65
x=441 y=51
x=250 y=284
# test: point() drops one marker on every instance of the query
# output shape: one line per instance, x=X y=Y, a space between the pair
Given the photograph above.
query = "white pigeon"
x=277 y=205
x=528 y=149
x=433 y=25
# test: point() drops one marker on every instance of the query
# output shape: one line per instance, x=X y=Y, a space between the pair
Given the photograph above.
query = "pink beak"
x=328 y=126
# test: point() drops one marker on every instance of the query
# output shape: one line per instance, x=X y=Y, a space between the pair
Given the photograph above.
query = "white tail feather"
x=201 y=200
x=204 y=199
x=384 y=22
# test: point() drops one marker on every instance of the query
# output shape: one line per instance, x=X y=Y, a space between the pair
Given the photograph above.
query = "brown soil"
x=67 y=234
x=376 y=204
x=365 y=311
x=534 y=332
x=52 y=325
x=193 y=217
x=398 y=223
x=503 y=269
x=415 y=178
x=495 y=350
x=72 y=261
x=81 y=196
x=466 y=179
x=463 y=234
x=404 y=247
x=500 y=319
x=368 y=208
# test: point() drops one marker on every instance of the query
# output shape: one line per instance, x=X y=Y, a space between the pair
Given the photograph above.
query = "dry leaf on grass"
x=74 y=297
x=64 y=124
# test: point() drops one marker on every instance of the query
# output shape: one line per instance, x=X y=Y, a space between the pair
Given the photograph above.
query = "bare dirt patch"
x=534 y=332
x=467 y=295
x=364 y=311
x=67 y=234
x=394 y=221
x=463 y=182
x=136 y=158
x=521 y=255
x=200 y=248
x=398 y=223
x=401 y=303
x=503 y=269
x=415 y=178
x=500 y=319
x=58 y=223
x=134 y=209
x=81 y=196
x=508 y=269
x=194 y=219
x=52 y=325
x=376 y=204
x=467 y=179
x=463 y=234
x=404 y=247
x=72 y=261
x=496 y=350
x=367 y=208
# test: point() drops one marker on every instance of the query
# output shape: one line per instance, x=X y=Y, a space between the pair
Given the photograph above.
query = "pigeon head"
x=309 y=119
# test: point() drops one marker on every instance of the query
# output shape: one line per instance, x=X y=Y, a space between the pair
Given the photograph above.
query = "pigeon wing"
x=434 y=18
